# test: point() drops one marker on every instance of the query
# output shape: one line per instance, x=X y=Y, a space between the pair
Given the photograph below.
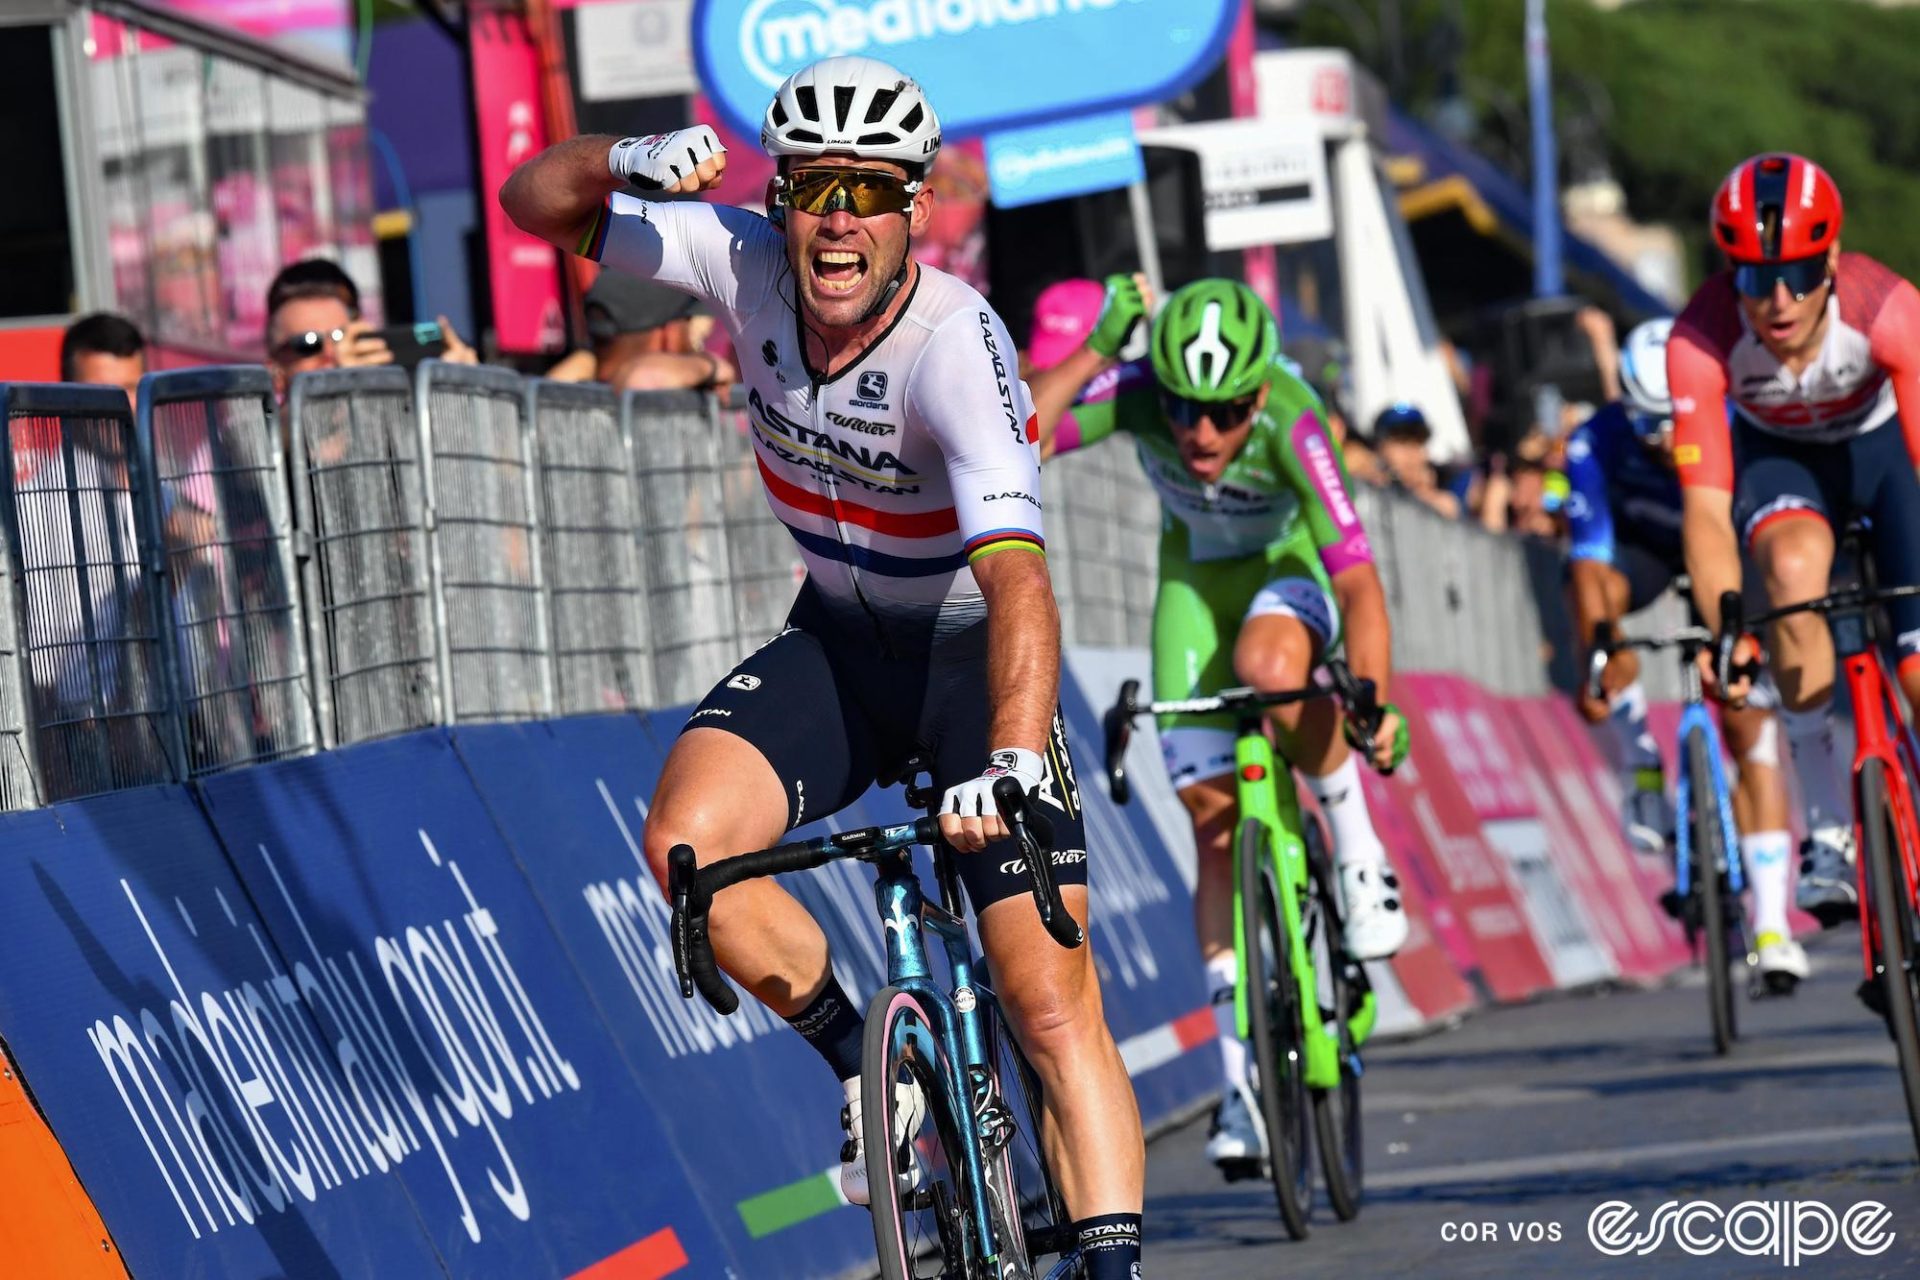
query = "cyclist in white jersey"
x=897 y=444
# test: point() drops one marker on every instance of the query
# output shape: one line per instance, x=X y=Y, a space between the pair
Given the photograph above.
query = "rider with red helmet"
x=1796 y=388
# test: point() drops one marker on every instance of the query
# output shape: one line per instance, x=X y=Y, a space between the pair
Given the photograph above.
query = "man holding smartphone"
x=313 y=322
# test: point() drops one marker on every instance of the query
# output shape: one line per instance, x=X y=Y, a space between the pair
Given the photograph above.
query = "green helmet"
x=1215 y=340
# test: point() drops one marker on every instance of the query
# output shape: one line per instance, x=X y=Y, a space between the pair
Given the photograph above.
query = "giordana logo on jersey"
x=1050 y=57
x=1000 y=376
x=871 y=386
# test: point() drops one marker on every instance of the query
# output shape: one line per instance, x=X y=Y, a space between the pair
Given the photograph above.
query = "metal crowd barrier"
x=683 y=539
x=88 y=710
x=358 y=497
x=589 y=516
x=473 y=546
x=221 y=537
x=484 y=542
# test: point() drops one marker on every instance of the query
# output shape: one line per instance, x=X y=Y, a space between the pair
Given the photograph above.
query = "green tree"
x=1687 y=88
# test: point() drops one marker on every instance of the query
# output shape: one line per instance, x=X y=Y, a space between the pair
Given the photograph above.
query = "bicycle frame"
x=1695 y=718
x=960 y=1021
x=1876 y=710
x=1258 y=775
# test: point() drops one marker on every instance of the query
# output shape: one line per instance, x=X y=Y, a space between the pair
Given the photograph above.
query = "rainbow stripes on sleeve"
x=594 y=242
x=1000 y=540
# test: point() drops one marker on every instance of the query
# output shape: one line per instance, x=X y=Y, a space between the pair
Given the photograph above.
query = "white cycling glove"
x=974 y=798
x=661 y=159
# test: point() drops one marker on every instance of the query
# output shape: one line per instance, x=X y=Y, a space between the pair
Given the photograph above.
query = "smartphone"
x=412 y=343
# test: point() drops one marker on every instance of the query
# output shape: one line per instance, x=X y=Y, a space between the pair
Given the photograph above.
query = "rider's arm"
x=1116 y=399
x=1703 y=457
x=980 y=420
x=569 y=196
x=1054 y=391
x=1895 y=346
x=1124 y=309
x=558 y=194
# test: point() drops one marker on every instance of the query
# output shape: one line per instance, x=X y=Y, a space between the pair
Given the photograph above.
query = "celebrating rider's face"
x=844 y=261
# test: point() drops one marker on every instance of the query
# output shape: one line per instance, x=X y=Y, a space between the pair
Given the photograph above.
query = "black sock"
x=1110 y=1246
x=831 y=1025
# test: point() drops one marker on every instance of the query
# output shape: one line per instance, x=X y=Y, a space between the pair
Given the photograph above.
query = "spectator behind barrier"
x=313 y=322
x=106 y=349
x=1400 y=436
x=646 y=337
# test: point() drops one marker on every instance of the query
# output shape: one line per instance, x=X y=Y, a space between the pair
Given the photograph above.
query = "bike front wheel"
x=1342 y=986
x=1275 y=1026
x=1710 y=855
x=915 y=1154
x=1899 y=929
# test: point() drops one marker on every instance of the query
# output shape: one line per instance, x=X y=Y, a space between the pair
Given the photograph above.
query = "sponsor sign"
x=1261 y=183
x=1062 y=159
x=986 y=64
x=511 y=127
x=634 y=49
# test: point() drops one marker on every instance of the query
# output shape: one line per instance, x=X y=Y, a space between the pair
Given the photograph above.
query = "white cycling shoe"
x=1826 y=888
x=1376 y=918
x=909 y=1110
x=1783 y=963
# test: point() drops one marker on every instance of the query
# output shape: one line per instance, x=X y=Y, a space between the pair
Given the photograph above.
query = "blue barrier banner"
x=986 y=64
x=1064 y=158
x=1142 y=928
x=753 y=1108
x=523 y=1136
x=174 y=1053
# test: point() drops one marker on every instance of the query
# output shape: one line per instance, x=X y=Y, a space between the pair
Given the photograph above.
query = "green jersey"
x=1267 y=536
x=1287 y=481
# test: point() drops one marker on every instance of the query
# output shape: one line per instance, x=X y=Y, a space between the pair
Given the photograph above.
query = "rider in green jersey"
x=1264 y=569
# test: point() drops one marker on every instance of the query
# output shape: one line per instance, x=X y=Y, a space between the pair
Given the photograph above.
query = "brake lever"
x=1117 y=728
x=1603 y=647
x=1034 y=836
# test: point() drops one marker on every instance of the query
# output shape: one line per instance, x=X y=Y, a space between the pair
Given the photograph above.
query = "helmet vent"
x=912 y=119
x=809 y=104
x=803 y=135
x=842 y=106
x=876 y=140
x=881 y=103
x=1819 y=231
x=779 y=112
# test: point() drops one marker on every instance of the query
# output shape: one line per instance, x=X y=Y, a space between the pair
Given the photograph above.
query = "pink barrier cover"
x=1439 y=950
x=1429 y=967
x=1452 y=852
x=1558 y=758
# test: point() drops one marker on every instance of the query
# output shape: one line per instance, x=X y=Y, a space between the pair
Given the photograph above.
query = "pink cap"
x=1063 y=316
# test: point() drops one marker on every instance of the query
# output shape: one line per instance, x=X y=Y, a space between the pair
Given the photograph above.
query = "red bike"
x=1886 y=817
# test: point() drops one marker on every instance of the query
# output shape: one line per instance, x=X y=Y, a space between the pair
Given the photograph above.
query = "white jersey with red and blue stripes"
x=894 y=475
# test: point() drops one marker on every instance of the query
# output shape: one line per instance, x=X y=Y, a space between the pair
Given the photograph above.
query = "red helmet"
x=1776 y=208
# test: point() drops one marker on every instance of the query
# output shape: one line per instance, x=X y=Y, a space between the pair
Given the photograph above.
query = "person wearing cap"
x=646 y=337
x=1400 y=435
x=897 y=443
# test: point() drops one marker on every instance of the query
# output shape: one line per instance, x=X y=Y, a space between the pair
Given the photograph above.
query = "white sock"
x=1344 y=802
x=1768 y=855
x=851 y=1087
x=1223 y=971
x=1628 y=717
x=1810 y=737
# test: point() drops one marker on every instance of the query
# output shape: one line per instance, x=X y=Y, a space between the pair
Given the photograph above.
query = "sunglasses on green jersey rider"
x=1226 y=415
x=865 y=193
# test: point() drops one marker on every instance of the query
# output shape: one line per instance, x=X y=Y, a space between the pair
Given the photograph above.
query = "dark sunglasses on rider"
x=1801 y=276
x=1226 y=415
x=303 y=345
x=865 y=193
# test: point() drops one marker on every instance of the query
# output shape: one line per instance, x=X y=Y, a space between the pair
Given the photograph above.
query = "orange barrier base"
x=48 y=1226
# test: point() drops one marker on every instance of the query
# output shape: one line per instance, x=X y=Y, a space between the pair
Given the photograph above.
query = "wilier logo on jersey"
x=871 y=390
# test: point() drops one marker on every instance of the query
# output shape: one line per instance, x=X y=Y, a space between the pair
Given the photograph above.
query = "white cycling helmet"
x=852 y=106
x=1643 y=369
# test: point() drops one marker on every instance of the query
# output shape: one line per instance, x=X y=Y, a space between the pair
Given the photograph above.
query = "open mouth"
x=839 y=270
